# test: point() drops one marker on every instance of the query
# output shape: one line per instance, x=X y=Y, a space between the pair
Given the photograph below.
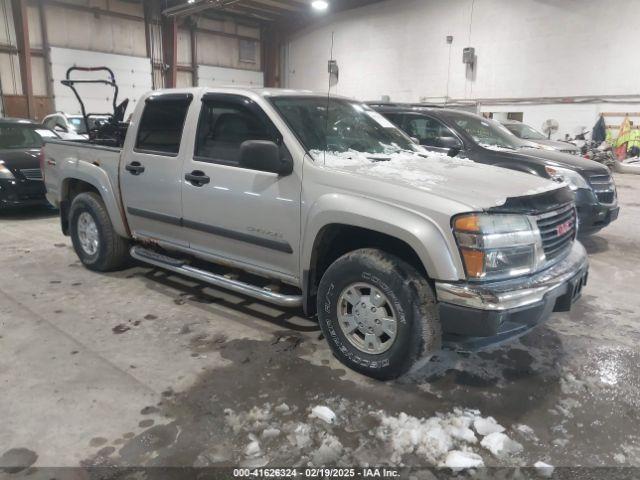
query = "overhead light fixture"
x=320 y=5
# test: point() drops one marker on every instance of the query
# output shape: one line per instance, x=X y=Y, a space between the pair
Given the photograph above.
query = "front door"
x=433 y=135
x=250 y=217
x=151 y=172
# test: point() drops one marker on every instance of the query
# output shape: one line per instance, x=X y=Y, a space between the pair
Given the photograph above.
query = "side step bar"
x=181 y=267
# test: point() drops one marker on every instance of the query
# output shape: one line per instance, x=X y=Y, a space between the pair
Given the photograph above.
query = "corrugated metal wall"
x=118 y=28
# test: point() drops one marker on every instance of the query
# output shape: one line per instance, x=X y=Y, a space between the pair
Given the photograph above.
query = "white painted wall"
x=133 y=75
x=525 y=48
x=571 y=118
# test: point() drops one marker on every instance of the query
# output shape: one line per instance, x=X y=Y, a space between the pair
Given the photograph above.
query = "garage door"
x=133 y=75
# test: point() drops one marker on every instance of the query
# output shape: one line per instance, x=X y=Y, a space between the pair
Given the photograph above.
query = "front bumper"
x=593 y=215
x=21 y=192
x=475 y=315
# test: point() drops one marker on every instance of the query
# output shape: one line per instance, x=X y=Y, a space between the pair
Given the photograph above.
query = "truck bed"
x=67 y=161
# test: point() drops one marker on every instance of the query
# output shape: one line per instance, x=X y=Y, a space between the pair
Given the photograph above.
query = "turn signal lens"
x=467 y=223
x=473 y=262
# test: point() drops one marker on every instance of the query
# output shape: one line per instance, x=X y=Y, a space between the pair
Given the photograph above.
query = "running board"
x=181 y=267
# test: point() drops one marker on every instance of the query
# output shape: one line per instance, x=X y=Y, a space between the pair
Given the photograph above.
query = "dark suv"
x=463 y=134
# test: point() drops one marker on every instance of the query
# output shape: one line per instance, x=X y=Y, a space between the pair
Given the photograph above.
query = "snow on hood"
x=477 y=185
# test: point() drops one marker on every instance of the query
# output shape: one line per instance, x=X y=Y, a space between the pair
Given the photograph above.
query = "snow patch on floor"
x=500 y=445
x=313 y=436
x=544 y=469
x=459 y=460
x=323 y=413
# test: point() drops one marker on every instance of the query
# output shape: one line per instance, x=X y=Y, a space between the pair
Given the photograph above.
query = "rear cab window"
x=162 y=123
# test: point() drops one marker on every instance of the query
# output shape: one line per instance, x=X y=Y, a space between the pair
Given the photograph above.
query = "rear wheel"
x=94 y=239
x=378 y=313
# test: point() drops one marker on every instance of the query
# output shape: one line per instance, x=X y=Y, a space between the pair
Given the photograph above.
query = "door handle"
x=197 y=178
x=135 y=168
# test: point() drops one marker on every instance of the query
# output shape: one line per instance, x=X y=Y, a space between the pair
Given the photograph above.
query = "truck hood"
x=18 y=159
x=566 y=160
x=475 y=185
x=558 y=145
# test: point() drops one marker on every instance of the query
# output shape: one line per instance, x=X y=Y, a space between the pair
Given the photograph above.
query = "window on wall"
x=248 y=51
x=161 y=125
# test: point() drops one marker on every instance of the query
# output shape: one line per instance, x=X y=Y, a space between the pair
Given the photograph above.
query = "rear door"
x=151 y=171
x=248 y=216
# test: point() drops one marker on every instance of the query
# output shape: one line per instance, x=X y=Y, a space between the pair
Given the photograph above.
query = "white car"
x=70 y=127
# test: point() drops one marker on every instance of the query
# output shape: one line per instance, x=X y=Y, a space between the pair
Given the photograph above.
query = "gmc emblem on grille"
x=563 y=228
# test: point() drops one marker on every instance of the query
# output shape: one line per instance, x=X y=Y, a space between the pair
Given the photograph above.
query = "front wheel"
x=378 y=313
x=94 y=239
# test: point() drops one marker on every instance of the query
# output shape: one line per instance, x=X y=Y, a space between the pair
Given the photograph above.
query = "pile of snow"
x=407 y=167
x=458 y=460
x=500 y=445
x=436 y=438
x=456 y=440
x=487 y=426
x=329 y=452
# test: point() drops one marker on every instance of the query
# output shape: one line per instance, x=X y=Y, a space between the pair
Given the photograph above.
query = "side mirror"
x=454 y=151
x=449 y=142
x=264 y=156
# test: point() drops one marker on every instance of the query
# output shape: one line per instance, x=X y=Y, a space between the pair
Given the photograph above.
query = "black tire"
x=418 y=325
x=113 y=250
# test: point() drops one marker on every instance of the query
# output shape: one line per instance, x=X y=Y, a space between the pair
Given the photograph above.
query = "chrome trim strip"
x=171 y=264
x=514 y=293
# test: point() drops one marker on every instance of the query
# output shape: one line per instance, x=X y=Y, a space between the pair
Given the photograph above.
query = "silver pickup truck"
x=314 y=202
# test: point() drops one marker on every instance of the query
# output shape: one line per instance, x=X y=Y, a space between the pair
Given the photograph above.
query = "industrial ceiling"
x=260 y=10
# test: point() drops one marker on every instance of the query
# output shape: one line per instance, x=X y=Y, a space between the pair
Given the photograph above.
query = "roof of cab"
x=18 y=120
x=263 y=92
x=417 y=108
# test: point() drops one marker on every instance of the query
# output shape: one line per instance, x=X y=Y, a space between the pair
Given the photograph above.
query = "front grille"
x=603 y=188
x=558 y=230
x=32 y=173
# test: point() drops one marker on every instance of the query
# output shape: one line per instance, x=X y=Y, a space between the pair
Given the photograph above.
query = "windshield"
x=17 y=136
x=486 y=132
x=525 y=132
x=352 y=127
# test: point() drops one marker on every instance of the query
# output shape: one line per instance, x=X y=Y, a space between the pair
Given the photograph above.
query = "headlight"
x=5 y=173
x=498 y=246
x=572 y=178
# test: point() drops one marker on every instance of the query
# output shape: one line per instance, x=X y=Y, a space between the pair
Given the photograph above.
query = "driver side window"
x=222 y=129
x=430 y=132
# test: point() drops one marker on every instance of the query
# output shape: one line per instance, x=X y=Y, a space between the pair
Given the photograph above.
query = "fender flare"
x=98 y=178
x=422 y=234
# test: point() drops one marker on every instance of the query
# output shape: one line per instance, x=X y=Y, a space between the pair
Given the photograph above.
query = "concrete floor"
x=138 y=368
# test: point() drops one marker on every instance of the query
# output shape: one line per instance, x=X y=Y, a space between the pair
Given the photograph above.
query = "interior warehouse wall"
x=212 y=51
x=527 y=48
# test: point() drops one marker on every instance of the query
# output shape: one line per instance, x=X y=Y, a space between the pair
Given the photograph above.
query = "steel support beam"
x=21 y=23
x=170 y=51
x=271 y=42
